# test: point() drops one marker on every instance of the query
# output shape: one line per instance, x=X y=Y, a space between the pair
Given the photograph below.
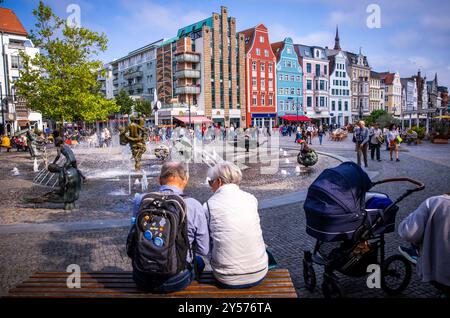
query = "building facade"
x=14 y=115
x=359 y=70
x=409 y=99
x=315 y=65
x=135 y=73
x=340 y=90
x=260 y=78
x=289 y=80
x=202 y=70
x=376 y=98
x=105 y=78
x=392 y=92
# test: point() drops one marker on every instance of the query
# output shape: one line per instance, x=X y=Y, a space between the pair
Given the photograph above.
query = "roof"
x=387 y=77
x=353 y=58
x=308 y=51
x=277 y=48
x=375 y=75
x=248 y=37
x=10 y=23
x=195 y=27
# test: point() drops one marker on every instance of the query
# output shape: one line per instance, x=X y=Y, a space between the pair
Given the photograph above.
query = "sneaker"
x=409 y=253
x=397 y=160
x=379 y=160
x=392 y=159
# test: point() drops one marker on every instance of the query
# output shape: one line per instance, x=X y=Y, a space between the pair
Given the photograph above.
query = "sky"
x=412 y=34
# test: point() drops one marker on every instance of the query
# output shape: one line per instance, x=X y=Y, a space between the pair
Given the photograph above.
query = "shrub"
x=420 y=131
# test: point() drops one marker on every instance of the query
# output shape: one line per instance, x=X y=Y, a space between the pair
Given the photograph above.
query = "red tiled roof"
x=387 y=77
x=277 y=47
x=10 y=23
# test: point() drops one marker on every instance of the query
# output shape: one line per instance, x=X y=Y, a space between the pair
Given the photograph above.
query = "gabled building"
x=376 y=98
x=359 y=69
x=392 y=92
x=260 y=77
x=14 y=114
x=315 y=65
x=340 y=86
x=409 y=99
x=289 y=81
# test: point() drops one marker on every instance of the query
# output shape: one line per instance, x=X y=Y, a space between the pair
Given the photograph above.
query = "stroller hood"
x=335 y=202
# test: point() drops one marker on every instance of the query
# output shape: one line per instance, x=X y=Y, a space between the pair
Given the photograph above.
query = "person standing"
x=393 y=141
x=309 y=133
x=320 y=133
x=361 y=139
x=376 y=140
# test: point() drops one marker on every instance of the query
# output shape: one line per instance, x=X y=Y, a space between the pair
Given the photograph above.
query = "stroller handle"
x=419 y=185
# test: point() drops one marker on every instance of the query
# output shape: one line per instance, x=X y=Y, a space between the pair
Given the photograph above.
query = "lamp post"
x=189 y=105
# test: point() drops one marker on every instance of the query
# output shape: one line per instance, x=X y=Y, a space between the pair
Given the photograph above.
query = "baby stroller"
x=349 y=224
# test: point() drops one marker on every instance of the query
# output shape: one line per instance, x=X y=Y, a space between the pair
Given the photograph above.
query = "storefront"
x=264 y=120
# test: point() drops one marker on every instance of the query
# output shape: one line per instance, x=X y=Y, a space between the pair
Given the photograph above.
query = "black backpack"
x=158 y=242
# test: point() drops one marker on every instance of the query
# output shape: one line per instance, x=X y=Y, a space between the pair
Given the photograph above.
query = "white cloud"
x=404 y=39
x=279 y=32
x=441 y=23
x=144 y=16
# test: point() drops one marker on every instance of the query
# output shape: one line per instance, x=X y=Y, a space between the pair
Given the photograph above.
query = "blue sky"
x=414 y=33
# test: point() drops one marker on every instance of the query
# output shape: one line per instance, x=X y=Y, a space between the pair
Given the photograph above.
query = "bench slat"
x=277 y=283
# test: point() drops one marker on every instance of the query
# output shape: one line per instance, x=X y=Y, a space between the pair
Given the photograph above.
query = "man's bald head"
x=174 y=173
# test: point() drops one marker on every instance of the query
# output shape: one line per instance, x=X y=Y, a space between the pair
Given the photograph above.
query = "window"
x=325 y=70
x=270 y=83
x=263 y=100
x=286 y=77
x=280 y=76
x=298 y=78
x=309 y=101
x=254 y=66
x=292 y=91
x=266 y=53
x=14 y=62
x=308 y=67
x=286 y=91
x=258 y=51
x=263 y=84
x=333 y=105
x=288 y=50
x=280 y=91
x=270 y=67
x=270 y=100
x=254 y=81
x=322 y=85
x=289 y=64
x=292 y=78
x=263 y=67
x=317 y=69
x=322 y=101
x=346 y=105
x=254 y=98
x=261 y=39
x=309 y=84
x=298 y=92
x=339 y=105
x=282 y=104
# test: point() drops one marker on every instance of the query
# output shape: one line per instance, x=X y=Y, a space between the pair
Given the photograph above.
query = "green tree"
x=373 y=117
x=125 y=102
x=61 y=81
x=143 y=106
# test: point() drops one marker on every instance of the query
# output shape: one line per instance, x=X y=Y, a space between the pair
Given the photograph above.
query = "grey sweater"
x=429 y=227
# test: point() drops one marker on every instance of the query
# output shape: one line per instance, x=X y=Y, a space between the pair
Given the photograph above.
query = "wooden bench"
x=277 y=284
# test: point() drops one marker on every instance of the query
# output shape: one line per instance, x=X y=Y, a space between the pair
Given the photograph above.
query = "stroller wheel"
x=309 y=275
x=395 y=274
x=332 y=289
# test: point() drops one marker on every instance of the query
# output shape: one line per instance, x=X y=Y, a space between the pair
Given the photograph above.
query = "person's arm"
x=366 y=138
x=198 y=231
x=412 y=228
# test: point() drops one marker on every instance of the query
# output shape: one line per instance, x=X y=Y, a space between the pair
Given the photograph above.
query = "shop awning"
x=194 y=119
x=296 y=118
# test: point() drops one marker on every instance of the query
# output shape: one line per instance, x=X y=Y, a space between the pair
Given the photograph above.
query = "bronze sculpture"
x=135 y=137
x=69 y=178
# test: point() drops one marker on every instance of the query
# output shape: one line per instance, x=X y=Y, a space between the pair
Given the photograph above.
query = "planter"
x=440 y=141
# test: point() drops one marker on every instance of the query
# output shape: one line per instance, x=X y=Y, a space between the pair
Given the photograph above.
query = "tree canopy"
x=61 y=81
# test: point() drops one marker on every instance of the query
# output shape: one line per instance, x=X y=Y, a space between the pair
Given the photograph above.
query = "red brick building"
x=260 y=78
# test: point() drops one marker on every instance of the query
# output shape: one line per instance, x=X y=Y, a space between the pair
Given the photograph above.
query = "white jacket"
x=238 y=252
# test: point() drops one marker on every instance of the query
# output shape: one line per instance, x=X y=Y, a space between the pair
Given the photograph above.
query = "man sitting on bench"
x=162 y=243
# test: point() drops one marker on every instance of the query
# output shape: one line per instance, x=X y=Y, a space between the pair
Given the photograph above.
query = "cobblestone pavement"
x=283 y=228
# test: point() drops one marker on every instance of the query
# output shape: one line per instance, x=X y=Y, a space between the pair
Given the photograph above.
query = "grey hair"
x=227 y=171
x=173 y=169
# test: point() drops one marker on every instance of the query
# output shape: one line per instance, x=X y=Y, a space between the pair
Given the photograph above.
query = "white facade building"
x=340 y=90
x=14 y=114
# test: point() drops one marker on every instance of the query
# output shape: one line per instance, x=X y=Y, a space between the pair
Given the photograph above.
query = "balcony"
x=136 y=86
x=187 y=74
x=188 y=57
x=187 y=90
x=134 y=74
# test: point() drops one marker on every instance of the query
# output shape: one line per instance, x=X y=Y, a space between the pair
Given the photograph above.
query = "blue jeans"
x=174 y=283
x=320 y=139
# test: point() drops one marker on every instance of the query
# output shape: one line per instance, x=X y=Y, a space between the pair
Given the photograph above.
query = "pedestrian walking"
x=361 y=138
x=320 y=133
x=376 y=140
x=394 y=141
